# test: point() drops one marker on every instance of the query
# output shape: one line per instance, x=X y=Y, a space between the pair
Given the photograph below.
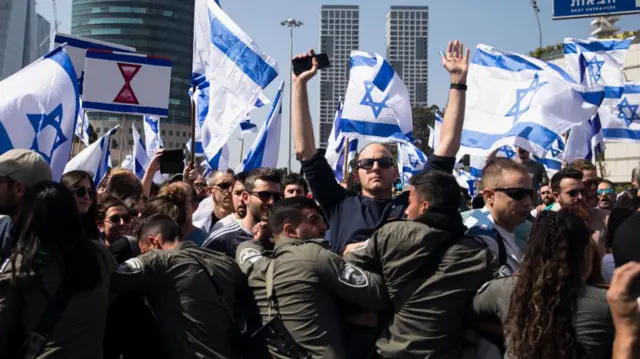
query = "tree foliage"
x=423 y=117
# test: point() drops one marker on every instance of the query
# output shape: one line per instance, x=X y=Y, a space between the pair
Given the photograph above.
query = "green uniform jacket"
x=189 y=313
x=307 y=280
x=80 y=330
x=431 y=322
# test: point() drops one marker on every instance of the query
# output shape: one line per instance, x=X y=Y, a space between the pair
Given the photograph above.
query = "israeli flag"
x=620 y=113
x=335 y=147
x=247 y=127
x=221 y=160
x=376 y=105
x=596 y=62
x=141 y=158
x=222 y=51
x=264 y=151
x=82 y=126
x=39 y=108
x=128 y=164
x=152 y=135
x=466 y=181
x=552 y=161
x=94 y=159
x=434 y=132
x=585 y=141
x=521 y=101
x=411 y=160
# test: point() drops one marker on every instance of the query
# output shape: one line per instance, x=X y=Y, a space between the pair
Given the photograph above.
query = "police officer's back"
x=307 y=279
x=194 y=293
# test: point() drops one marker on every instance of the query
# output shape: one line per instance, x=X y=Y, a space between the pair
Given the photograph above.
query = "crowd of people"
x=254 y=265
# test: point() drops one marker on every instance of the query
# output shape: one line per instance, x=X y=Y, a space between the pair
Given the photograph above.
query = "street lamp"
x=290 y=23
x=536 y=12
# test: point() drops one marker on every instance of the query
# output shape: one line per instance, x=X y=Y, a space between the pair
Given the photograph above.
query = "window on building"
x=170 y=133
x=130 y=142
x=184 y=133
x=162 y=132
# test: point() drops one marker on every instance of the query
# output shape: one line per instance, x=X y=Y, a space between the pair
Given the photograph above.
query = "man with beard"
x=606 y=195
x=19 y=170
x=546 y=199
x=239 y=207
x=200 y=185
x=262 y=188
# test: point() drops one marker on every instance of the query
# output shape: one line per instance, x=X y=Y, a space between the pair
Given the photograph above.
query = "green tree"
x=423 y=117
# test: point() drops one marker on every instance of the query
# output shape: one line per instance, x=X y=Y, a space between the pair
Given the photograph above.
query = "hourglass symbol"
x=126 y=94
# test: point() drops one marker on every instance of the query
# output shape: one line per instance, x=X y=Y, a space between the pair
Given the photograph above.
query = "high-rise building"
x=18 y=37
x=407 y=45
x=43 y=36
x=158 y=28
x=339 y=35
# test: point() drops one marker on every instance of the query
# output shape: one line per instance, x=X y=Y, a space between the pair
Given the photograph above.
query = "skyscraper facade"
x=407 y=36
x=339 y=35
x=18 y=37
x=43 y=36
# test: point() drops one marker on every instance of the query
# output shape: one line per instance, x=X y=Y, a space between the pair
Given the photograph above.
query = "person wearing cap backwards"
x=19 y=170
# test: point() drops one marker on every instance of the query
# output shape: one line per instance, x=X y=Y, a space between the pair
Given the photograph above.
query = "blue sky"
x=506 y=24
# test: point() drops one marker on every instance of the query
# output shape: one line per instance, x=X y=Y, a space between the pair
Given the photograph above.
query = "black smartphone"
x=303 y=64
x=172 y=161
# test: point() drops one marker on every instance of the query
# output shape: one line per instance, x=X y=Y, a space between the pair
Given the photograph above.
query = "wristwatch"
x=461 y=87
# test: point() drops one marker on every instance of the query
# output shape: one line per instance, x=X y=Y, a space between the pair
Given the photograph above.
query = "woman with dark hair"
x=548 y=310
x=114 y=223
x=80 y=183
x=52 y=259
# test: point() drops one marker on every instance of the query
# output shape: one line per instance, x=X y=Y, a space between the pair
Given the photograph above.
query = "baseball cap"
x=25 y=166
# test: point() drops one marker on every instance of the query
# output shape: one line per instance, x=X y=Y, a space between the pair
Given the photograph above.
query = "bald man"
x=352 y=217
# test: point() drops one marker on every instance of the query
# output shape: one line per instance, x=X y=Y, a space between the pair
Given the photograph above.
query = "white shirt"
x=514 y=254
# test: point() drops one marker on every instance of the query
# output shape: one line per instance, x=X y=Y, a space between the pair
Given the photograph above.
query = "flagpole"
x=241 y=148
x=345 y=165
x=193 y=126
x=122 y=144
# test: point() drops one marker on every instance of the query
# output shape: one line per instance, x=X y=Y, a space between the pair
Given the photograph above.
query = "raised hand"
x=307 y=75
x=456 y=61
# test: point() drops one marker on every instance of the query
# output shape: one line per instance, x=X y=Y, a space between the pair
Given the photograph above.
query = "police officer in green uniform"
x=197 y=295
x=306 y=281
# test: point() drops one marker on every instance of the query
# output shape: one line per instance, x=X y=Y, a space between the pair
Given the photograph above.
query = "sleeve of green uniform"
x=365 y=256
x=9 y=314
x=350 y=282
x=485 y=302
x=139 y=273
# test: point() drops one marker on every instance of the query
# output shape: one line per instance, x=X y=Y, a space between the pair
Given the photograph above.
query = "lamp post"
x=536 y=12
x=290 y=23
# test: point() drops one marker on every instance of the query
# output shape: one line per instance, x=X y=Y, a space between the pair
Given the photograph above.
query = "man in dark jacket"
x=428 y=315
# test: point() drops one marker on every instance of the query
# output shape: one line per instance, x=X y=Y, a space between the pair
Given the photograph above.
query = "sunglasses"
x=224 y=185
x=266 y=195
x=83 y=191
x=200 y=185
x=517 y=194
x=591 y=182
x=367 y=163
x=602 y=191
x=117 y=219
x=575 y=192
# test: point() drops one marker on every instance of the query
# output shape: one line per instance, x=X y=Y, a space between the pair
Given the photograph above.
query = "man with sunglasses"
x=606 y=195
x=263 y=187
x=352 y=218
x=239 y=207
x=200 y=185
x=19 y=170
x=589 y=179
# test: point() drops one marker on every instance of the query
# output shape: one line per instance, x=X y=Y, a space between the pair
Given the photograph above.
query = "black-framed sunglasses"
x=83 y=191
x=200 y=185
x=224 y=185
x=368 y=163
x=266 y=195
x=117 y=219
x=516 y=193
x=575 y=192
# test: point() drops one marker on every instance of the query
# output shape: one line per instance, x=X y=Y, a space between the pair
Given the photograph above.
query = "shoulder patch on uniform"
x=132 y=265
x=353 y=276
x=249 y=254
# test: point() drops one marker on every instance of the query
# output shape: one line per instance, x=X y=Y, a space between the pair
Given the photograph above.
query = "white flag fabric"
x=265 y=149
x=140 y=157
x=620 y=114
x=152 y=136
x=94 y=159
x=466 y=180
x=596 y=62
x=126 y=83
x=235 y=68
x=434 y=132
x=76 y=48
x=521 y=101
x=128 y=163
x=335 y=147
x=39 y=107
x=221 y=160
x=376 y=105
x=82 y=126
x=585 y=141
x=411 y=160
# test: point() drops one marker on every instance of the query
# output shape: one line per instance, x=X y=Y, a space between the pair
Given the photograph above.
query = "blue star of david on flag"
x=628 y=112
x=595 y=68
x=506 y=149
x=42 y=121
x=153 y=123
x=517 y=110
x=376 y=107
x=413 y=160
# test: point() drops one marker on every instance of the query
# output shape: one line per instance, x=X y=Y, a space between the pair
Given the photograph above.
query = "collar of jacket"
x=296 y=241
x=185 y=245
x=445 y=219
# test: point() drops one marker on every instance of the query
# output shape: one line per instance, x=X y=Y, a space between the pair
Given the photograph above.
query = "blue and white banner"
x=82 y=126
x=39 y=108
x=140 y=157
x=434 y=132
x=76 y=48
x=221 y=160
x=335 y=147
x=152 y=135
x=94 y=159
x=411 y=161
x=585 y=141
x=222 y=51
x=264 y=151
x=568 y=9
x=596 y=62
x=248 y=128
x=126 y=83
x=376 y=105
x=521 y=101
x=620 y=114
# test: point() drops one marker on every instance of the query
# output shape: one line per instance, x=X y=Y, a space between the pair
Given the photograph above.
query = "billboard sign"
x=570 y=9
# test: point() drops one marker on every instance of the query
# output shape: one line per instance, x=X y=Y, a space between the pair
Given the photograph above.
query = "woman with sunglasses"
x=114 y=224
x=548 y=310
x=80 y=183
x=54 y=261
